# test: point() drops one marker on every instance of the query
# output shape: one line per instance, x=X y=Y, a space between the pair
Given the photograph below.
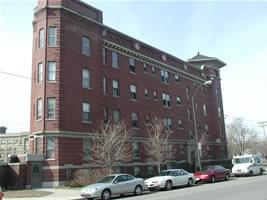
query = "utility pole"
x=263 y=125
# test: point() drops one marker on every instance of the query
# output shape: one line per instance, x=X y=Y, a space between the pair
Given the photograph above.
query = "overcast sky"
x=234 y=32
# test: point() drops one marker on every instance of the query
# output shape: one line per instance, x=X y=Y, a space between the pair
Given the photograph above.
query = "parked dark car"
x=212 y=173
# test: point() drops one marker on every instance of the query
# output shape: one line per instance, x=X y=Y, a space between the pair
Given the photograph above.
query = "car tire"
x=168 y=185
x=138 y=190
x=261 y=171
x=250 y=173
x=106 y=194
x=190 y=182
x=227 y=177
x=212 y=179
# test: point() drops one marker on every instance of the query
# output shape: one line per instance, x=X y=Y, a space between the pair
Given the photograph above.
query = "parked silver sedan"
x=114 y=184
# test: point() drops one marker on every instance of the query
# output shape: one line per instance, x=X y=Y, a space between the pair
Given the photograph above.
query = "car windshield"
x=242 y=160
x=107 y=179
x=166 y=173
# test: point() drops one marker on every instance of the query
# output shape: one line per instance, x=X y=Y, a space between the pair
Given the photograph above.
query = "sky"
x=233 y=31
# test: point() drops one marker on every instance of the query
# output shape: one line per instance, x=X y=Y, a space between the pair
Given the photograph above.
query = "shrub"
x=83 y=177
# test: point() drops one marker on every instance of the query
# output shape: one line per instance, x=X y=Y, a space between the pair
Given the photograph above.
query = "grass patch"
x=25 y=193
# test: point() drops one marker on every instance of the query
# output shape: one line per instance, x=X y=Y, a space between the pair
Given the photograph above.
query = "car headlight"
x=94 y=190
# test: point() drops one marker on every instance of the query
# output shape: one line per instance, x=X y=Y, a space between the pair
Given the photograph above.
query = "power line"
x=16 y=75
x=251 y=120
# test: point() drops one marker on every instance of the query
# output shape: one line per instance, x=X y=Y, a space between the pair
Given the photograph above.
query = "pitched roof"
x=200 y=58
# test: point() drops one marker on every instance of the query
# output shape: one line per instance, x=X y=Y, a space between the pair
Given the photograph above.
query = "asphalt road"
x=242 y=188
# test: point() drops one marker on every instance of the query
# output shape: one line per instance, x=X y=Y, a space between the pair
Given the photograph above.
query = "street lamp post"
x=197 y=144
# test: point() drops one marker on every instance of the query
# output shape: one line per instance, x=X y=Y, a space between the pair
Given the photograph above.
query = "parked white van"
x=247 y=165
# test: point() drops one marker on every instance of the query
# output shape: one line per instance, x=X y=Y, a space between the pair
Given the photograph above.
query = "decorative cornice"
x=138 y=56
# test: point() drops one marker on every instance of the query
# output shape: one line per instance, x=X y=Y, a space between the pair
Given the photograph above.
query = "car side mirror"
x=115 y=182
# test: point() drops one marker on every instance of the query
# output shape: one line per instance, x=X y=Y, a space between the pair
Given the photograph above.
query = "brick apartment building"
x=85 y=72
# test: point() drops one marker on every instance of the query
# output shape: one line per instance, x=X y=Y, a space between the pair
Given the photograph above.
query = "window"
x=39 y=109
x=86 y=148
x=219 y=112
x=185 y=67
x=164 y=76
x=187 y=93
x=153 y=69
x=86 y=78
x=136 y=150
x=151 y=170
x=105 y=115
x=133 y=91
x=180 y=124
x=87 y=115
x=177 y=78
x=104 y=56
x=189 y=116
x=206 y=128
x=145 y=67
x=38 y=146
x=205 y=110
x=116 y=116
x=52 y=36
x=167 y=123
x=40 y=73
x=136 y=171
x=132 y=65
x=217 y=73
x=134 y=120
x=178 y=101
x=51 y=71
x=51 y=107
x=146 y=92
x=116 y=88
x=105 y=88
x=170 y=150
x=191 y=135
x=155 y=94
x=166 y=100
x=41 y=38
x=115 y=59
x=86 y=46
x=50 y=148
x=147 y=119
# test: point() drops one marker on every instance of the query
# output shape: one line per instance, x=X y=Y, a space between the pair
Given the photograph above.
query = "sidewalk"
x=57 y=194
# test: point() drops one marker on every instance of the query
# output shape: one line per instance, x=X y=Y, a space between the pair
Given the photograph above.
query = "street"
x=243 y=188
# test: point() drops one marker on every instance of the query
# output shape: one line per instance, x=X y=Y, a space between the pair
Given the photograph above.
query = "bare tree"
x=110 y=145
x=241 y=138
x=158 y=146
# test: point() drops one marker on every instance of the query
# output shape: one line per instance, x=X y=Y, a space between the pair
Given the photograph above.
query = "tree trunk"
x=158 y=168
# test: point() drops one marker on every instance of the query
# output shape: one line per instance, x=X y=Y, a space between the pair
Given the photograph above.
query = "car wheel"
x=190 y=182
x=226 y=177
x=105 y=195
x=250 y=173
x=168 y=185
x=213 y=179
x=138 y=190
x=261 y=171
